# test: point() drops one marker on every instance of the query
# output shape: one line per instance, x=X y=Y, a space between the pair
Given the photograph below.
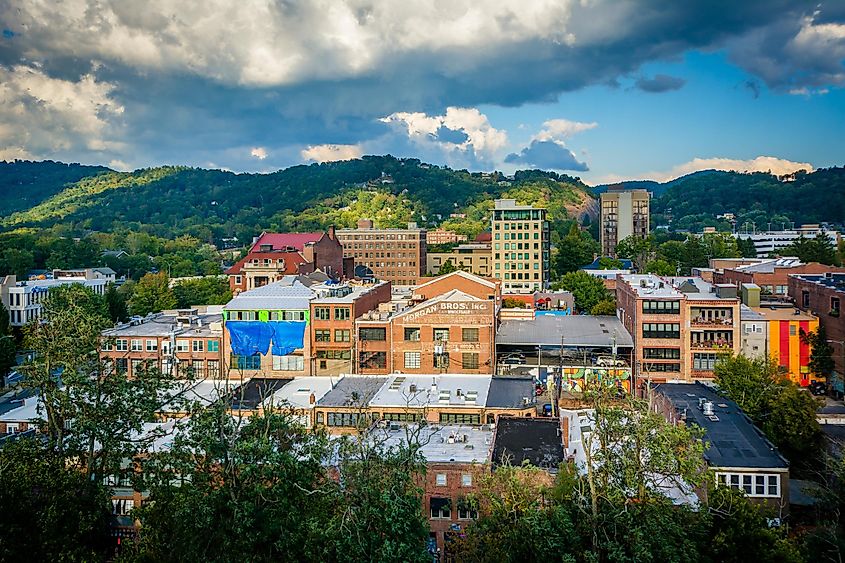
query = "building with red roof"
x=274 y=255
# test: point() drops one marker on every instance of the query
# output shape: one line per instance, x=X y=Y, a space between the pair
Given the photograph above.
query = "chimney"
x=331 y=232
x=312 y=399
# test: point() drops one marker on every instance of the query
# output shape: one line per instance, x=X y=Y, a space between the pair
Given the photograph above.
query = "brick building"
x=824 y=295
x=274 y=255
x=451 y=333
x=174 y=341
x=680 y=325
x=442 y=236
x=395 y=255
x=771 y=275
x=332 y=328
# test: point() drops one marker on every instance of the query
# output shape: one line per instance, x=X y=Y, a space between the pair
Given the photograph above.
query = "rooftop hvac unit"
x=707 y=408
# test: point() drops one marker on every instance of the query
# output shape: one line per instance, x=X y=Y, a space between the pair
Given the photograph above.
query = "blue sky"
x=605 y=90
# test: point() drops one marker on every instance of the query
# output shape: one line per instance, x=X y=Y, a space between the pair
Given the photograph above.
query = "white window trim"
x=725 y=478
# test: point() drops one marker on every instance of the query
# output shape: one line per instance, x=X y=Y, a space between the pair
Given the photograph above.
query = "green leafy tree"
x=116 y=304
x=51 y=510
x=661 y=267
x=8 y=347
x=17 y=261
x=817 y=249
x=746 y=248
x=447 y=268
x=604 y=307
x=606 y=263
x=821 y=362
x=588 y=290
x=574 y=250
x=783 y=411
x=152 y=294
x=638 y=249
x=212 y=290
x=513 y=303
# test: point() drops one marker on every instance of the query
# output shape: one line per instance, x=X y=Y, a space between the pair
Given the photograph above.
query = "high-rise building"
x=520 y=247
x=623 y=213
x=394 y=255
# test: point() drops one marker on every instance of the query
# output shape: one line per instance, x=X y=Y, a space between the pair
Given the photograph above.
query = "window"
x=341 y=314
x=441 y=507
x=469 y=334
x=401 y=416
x=459 y=418
x=661 y=330
x=197 y=367
x=342 y=335
x=288 y=363
x=213 y=368
x=441 y=334
x=137 y=345
x=350 y=419
x=412 y=360
x=213 y=346
x=324 y=335
x=412 y=334
x=466 y=480
x=793 y=330
x=152 y=345
x=662 y=353
x=198 y=345
x=373 y=360
x=753 y=485
x=246 y=362
x=661 y=307
x=805 y=299
x=322 y=313
x=121 y=365
x=834 y=306
x=374 y=334
x=705 y=362
x=106 y=346
x=440 y=479
x=668 y=367
x=182 y=345
x=469 y=360
x=121 y=345
x=334 y=354
x=12 y=428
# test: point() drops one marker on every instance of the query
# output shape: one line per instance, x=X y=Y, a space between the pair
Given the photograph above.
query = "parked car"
x=513 y=361
x=547 y=409
x=610 y=362
x=818 y=388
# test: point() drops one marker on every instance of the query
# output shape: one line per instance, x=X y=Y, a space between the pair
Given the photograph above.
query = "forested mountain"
x=212 y=204
x=24 y=184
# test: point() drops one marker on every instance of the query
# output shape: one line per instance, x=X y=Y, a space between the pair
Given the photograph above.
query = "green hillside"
x=24 y=184
x=212 y=204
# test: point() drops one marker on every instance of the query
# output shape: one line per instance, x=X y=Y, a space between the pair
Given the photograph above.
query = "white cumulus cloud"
x=258 y=152
x=774 y=165
x=331 y=153
x=559 y=129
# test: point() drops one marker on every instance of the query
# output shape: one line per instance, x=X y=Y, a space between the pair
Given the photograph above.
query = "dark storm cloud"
x=547 y=155
x=203 y=82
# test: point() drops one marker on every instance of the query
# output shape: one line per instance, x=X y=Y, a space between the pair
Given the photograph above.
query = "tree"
x=818 y=249
x=116 y=304
x=783 y=411
x=588 y=290
x=574 y=250
x=152 y=294
x=661 y=267
x=8 y=348
x=447 y=268
x=746 y=248
x=821 y=353
x=606 y=263
x=638 y=249
x=17 y=261
x=211 y=290
x=51 y=510
x=513 y=303
x=604 y=307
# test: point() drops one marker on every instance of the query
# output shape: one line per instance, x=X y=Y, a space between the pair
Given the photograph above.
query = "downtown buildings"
x=395 y=255
x=623 y=213
x=521 y=247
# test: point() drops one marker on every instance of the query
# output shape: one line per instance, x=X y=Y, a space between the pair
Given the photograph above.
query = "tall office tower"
x=623 y=213
x=520 y=247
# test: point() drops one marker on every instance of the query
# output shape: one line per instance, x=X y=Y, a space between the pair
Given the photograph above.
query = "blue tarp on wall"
x=249 y=337
x=287 y=336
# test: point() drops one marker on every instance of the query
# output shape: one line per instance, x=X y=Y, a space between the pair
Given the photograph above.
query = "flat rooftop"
x=357 y=292
x=281 y=295
x=733 y=440
x=565 y=330
x=442 y=444
x=782 y=314
x=255 y=391
x=442 y=390
x=833 y=281
x=353 y=391
x=164 y=325
x=297 y=392
x=538 y=441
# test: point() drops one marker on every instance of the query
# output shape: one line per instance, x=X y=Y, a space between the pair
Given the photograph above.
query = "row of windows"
x=469 y=360
x=280 y=363
x=334 y=354
x=519 y=236
x=661 y=307
x=197 y=368
x=518 y=276
x=661 y=330
x=272 y=315
x=340 y=335
x=662 y=353
x=753 y=485
x=412 y=334
x=661 y=368
x=324 y=313
x=150 y=345
x=441 y=480
x=706 y=362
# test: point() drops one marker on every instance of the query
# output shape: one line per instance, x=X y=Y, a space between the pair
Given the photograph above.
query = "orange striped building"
x=785 y=345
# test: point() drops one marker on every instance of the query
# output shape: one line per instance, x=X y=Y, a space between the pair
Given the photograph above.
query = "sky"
x=606 y=90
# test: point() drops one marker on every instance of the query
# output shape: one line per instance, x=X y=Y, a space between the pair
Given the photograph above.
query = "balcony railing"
x=712 y=345
x=701 y=321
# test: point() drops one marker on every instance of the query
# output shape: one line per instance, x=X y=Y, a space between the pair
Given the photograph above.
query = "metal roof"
x=353 y=391
x=283 y=295
x=569 y=331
